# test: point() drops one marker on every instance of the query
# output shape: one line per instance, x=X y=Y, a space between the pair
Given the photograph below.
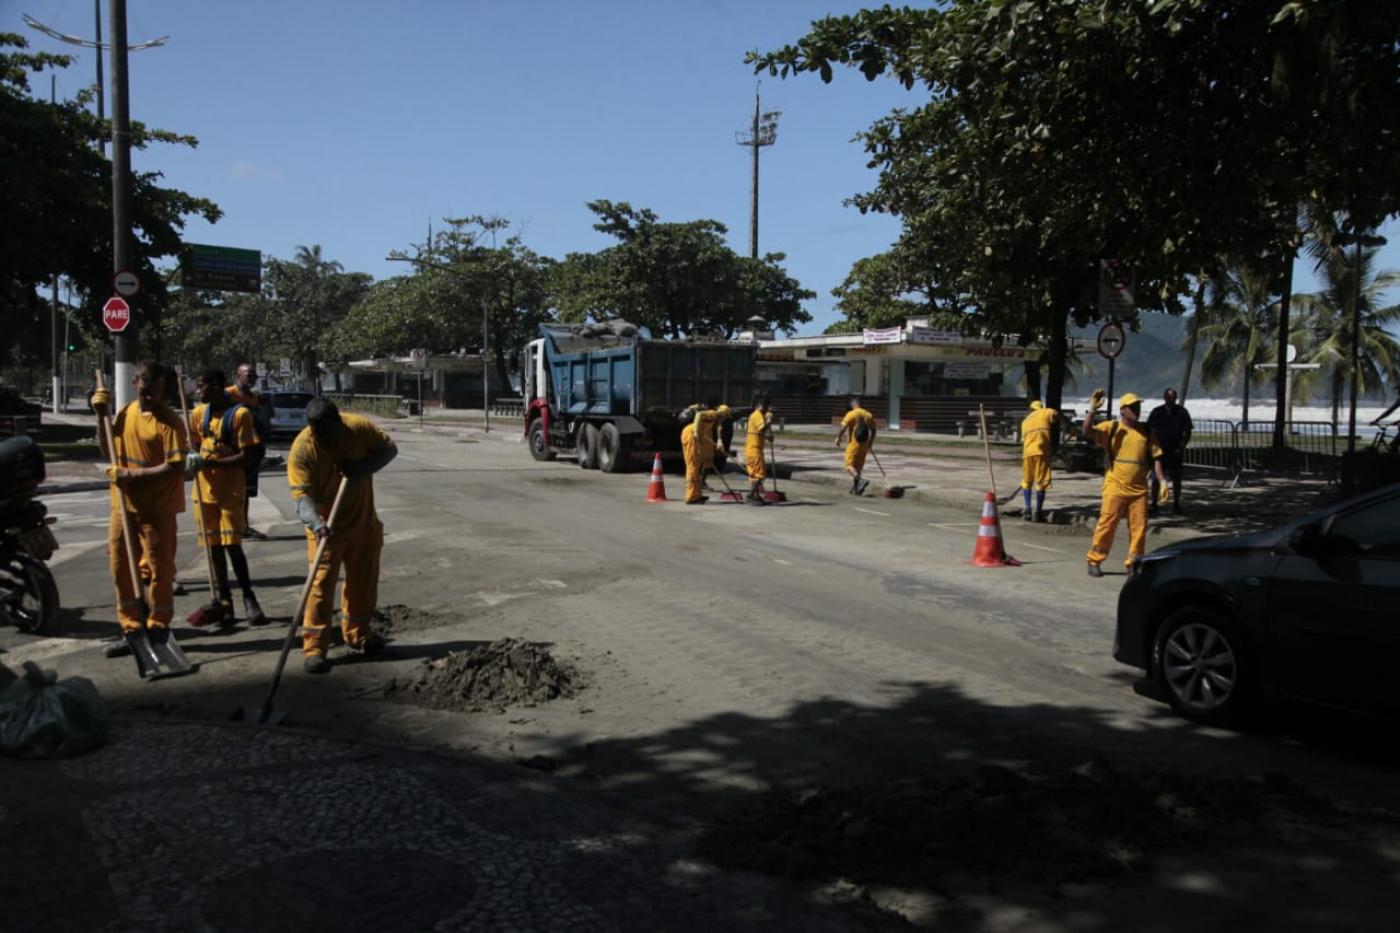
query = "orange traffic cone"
x=990 y=552
x=656 y=492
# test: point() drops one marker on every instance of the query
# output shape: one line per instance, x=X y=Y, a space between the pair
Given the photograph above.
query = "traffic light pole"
x=127 y=345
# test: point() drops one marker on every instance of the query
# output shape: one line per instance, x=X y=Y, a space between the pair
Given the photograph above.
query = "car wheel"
x=1200 y=664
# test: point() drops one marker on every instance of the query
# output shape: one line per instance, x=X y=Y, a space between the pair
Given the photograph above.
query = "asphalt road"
x=729 y=647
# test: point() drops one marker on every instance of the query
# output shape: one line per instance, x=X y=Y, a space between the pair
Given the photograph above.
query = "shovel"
x=265 y=716
x=891 y=492
x=213 y=613
x=158 y=656
x=775 y=495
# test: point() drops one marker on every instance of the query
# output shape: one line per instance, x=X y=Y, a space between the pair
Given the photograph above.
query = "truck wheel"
x=539 y=441
x=614 y=453
x=587 y=446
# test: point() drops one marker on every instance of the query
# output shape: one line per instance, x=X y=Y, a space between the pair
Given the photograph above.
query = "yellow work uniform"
x=855 y=450
x=147 y=439
x=357 y=537
x=219 y=491
x=1035 y=448
x=698 y=446
x=757 y=436
x=1131 y=452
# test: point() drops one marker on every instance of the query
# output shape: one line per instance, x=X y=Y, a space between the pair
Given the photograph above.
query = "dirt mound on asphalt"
x=509 y=672
x=1071 y=826
x=397 y=618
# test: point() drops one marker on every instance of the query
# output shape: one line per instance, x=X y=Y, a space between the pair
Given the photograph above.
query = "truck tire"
x=539 y=441
x=587 y=446
x=614 y=453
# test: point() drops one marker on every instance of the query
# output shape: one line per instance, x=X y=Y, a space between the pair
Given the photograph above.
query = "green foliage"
x=1240 y=329
x=305 y=299
x=55 y=198
x=874 y=294
x=439 y=305
x=1059 y=133
x=676 y=279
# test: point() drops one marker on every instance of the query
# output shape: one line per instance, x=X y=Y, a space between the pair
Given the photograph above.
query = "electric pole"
x=763 y=131
x=126 y=342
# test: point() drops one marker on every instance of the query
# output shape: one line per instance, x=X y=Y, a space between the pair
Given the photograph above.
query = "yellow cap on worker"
x=1036 y=405
x=1129 y=399
x=724 y=410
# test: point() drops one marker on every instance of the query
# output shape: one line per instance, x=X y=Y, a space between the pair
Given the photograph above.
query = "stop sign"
x=116 y=314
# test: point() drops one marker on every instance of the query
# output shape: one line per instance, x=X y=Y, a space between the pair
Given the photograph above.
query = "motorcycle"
x=28 y=593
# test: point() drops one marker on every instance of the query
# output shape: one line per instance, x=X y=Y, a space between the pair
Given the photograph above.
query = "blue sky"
x=352 y=124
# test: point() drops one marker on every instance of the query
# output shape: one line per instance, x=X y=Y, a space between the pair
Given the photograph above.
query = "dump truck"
x=610 y=396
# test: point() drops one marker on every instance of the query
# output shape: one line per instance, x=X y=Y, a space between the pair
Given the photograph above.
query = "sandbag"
x=44 y=717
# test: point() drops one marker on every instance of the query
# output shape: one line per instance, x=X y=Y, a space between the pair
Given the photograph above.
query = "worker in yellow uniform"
x=858 y=433
x=150 y=467
x=1035 y=458
x=224 y=432
x=759 y=432
x=698 y=447
x=330 y=447
x=1132 y=453
x=242 y=393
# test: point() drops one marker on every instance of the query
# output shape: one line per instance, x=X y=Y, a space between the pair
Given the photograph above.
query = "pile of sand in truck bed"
x=509 y=672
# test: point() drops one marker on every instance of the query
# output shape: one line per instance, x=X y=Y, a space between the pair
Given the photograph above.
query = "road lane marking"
x=785 y=563
x=872 y=512
x=1040 y=547
x=953 y=524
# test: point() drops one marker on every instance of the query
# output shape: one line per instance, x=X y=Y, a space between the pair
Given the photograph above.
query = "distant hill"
x=1152 y=360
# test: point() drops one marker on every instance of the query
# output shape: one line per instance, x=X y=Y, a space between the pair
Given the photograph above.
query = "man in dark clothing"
x=1170 y=424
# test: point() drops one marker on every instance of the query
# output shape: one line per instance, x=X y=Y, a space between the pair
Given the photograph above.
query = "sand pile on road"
x=397 y=618
x=1089 y=822
x=509 y=672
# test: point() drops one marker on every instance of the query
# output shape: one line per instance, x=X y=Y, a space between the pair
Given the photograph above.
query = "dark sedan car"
x=1308 y=611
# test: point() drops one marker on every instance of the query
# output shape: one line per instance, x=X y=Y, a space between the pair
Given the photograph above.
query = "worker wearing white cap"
x=1132 y=452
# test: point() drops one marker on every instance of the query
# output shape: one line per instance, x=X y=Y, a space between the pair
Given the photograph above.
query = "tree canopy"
x=676 y=279
x=56 y=196
x=1059 y=133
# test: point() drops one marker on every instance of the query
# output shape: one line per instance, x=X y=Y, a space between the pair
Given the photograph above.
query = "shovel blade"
x=147 y=664
x=166 y=649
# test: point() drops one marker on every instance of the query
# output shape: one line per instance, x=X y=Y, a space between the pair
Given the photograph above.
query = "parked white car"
x=287 y=411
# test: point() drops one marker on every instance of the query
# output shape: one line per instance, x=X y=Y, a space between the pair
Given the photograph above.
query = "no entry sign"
x=116 y=314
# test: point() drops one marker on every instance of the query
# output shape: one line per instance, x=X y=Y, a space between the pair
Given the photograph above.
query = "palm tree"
x=1241 y=315
x=1327 y=317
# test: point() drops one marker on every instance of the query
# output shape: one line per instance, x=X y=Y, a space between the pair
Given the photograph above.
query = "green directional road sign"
x=221 y=268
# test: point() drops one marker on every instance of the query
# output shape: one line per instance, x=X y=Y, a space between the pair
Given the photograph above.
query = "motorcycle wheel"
x=29 y=593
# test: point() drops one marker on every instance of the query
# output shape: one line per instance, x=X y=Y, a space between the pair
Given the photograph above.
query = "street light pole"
x=127 y=345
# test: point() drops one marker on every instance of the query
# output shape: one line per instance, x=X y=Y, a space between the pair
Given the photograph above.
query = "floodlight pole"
x=763 y=131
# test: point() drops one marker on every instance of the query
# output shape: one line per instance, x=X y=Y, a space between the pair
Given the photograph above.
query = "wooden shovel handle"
x=121 y=500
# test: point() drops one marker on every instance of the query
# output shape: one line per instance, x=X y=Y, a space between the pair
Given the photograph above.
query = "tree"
x=879 y=292
x=1327 y=324
x=55 y=198
x=1057 y=134
x=305 y=299
x=1240 y=329
x=675 y=278
x=439 y=306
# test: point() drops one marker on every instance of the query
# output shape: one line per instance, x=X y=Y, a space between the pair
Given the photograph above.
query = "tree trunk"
x=1033 y=380
x=1192 y=333
x=1336 y=398
x=1246 y=394
x=1281 y=374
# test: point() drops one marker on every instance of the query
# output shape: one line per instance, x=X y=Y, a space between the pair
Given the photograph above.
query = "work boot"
x=700 y=501
x=864 y=485
x=371 y=646
x=115 y=648
x=1095 y=570
x=316 y=664
x=226 y=618
x=1027 y=515
x=252 y=611
x=251 y=532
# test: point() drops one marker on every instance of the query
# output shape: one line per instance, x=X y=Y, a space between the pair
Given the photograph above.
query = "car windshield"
x=291 y=400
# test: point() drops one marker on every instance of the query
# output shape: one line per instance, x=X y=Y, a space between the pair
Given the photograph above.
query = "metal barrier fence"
x=1311 y=448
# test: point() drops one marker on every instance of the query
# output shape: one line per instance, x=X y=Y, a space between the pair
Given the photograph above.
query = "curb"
x=84 y=485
